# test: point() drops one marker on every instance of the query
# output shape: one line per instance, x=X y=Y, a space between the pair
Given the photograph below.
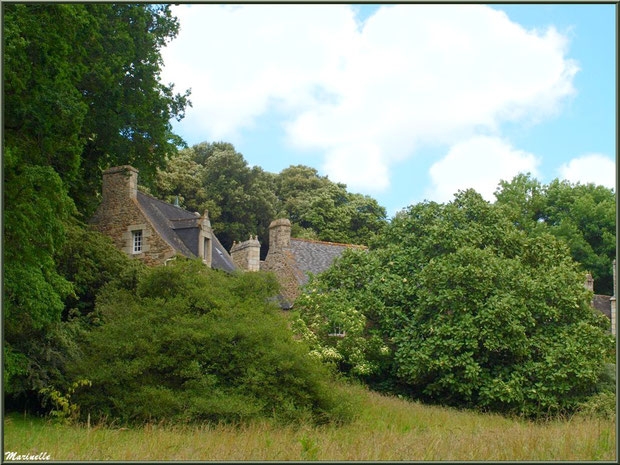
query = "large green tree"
x=457 y=305
x=82 y=90
x=583 y=215
x=81 y=93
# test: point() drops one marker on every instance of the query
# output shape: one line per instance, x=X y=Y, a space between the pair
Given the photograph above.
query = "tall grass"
x=386 y=428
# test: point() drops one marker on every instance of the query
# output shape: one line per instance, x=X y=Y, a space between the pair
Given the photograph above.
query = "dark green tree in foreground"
x=458 y=306
x=583 y=215
x=200 y=345
x=81 y=93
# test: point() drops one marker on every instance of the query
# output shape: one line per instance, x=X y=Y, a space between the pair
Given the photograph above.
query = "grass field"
x=387 y=428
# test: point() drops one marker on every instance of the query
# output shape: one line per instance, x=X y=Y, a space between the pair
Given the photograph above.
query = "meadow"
x=386 y=428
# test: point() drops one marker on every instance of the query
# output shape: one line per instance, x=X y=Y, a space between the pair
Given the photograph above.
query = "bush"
x=200 y=345
x=466 y=310
x=89 y=260
x=601 y=405
x=37 y=354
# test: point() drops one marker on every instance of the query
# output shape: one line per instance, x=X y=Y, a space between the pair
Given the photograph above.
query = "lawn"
x=387 y=428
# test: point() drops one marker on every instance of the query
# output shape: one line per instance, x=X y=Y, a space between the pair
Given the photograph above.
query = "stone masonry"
x=246 y=255
x=280 y=259
x=119 y=214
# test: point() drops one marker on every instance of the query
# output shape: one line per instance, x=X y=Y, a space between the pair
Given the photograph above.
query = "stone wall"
x=280 y=259
x=281 y=263
x=246 y=255
x=119 y=215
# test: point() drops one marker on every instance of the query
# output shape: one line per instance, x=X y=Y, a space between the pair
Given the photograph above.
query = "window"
x=136 y=240
x=337 y=331
x=205 y=249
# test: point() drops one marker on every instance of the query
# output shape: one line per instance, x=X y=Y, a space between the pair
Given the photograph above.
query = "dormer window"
x=136 y=240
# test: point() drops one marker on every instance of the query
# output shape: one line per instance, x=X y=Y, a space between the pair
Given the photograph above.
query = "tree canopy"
x=459 y=306
x=243 y=200
x=82 y=92
x=583 y=215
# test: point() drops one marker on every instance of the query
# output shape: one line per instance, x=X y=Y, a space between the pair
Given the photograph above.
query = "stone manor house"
x=154 y=231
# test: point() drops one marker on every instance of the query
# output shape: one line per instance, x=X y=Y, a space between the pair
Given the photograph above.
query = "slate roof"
x=220 y=259
x=180 y=229
x=315 y=256
x=602 y=304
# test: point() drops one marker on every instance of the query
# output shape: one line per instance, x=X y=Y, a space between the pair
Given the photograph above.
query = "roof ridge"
x=339 y=244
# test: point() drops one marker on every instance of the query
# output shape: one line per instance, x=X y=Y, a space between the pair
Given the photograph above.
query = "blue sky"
x=404 y=102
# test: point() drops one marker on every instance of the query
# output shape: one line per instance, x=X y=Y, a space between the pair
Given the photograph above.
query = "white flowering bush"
x=339 y=331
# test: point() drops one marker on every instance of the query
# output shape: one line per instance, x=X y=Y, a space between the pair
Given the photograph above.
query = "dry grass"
x=387 y=429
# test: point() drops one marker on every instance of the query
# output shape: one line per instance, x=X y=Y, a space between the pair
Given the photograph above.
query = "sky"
x=404 y=103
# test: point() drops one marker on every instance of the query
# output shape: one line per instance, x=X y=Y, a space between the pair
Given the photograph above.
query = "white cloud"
x=411 y=75
x=593 y=167
x=478 y=163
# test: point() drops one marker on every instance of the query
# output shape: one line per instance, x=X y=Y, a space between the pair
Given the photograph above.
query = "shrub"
x=601 y=405
x=89 y=260
x=37 y=356
x=200 y=345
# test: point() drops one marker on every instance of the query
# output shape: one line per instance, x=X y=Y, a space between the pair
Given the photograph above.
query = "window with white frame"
x=136 y=240
x=337 y=331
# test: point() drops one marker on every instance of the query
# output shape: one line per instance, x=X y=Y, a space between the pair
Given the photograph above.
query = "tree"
x=82 y=92
x=241 y=200
x=315 y=204
x=457 y=305
x=36 y=208
x=583 y=215
x=129 y=108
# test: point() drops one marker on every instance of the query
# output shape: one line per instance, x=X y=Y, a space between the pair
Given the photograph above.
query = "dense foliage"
x=88 y=262
x=81 y=93
x=243 y=200
x=82 y=90
x=468 y=303
x=459 y=306
x=198 y=345
x=583 y=215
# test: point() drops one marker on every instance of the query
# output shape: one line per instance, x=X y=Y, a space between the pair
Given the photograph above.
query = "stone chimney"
x=246 y=255
x=279 y=235
x=589 y=284
x=119 y=184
